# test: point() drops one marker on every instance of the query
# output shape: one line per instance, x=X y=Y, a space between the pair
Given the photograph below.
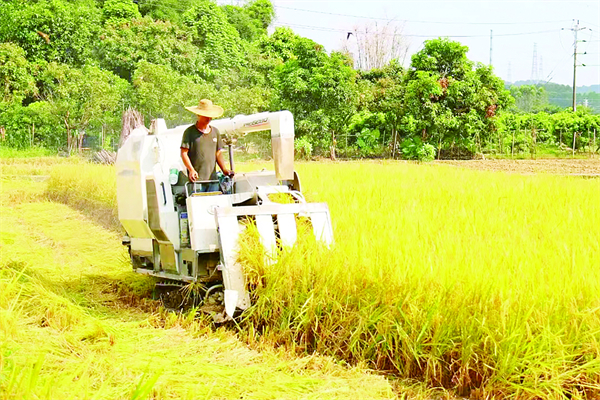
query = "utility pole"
x=575 y=30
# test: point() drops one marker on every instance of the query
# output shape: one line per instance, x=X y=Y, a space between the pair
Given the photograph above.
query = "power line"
x=550 y=76
x=589 y=23
x=327 y=29
x=418 y=21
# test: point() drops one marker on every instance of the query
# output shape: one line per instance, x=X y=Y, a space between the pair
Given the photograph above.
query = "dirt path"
x=588 y=167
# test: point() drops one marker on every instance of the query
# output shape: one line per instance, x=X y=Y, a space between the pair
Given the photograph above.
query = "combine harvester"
x=183 y=236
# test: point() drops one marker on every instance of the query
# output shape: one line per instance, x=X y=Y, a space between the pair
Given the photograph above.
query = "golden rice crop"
x=482 y=282
x=467 y=280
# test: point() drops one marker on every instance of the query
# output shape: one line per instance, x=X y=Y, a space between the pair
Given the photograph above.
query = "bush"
x=415 y=149
x=303 y=148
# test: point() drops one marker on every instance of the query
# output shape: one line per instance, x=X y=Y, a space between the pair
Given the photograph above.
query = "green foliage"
x=319 y=90
x=124 y=45
x=366 y=130
x=261 y=11
x=52 y=30
x=174 y=52
x=160 y=91
x=443 y=57
x=119 y=11
x=16 y=123
x=252 y=19
x=31 y=126
x=560 y=97
x=414 y=149
x=451 y=102
x=79 y=97
x=243 y=23
x=166 y=10
x=15 y=75
x=529 y=98
x=522 y=133
x=280 y=44
x=383 y=91
x=303 y=148
x=218 y=41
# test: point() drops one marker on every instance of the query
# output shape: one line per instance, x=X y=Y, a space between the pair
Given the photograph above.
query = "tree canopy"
x=68 y=68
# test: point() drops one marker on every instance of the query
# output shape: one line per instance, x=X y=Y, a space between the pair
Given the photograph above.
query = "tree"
x=15 y=74
x=279 y=45
x=450 y=102
x=320 y=91
x=261 y=11
x=251 y=20
x=119 y=11
x=376 y=45
x=443 y=57
x=123 y=45
x=80 y=97
x=529 y=98
x=217 y=39
x=384 y=92
x=52 y=30
x=161 y=92
x=166 y=10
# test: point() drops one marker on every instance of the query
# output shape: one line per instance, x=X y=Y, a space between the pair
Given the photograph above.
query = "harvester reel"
x=176 y=296
x=171 y=296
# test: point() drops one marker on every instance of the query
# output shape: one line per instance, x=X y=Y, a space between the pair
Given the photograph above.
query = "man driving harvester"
x=202 y=147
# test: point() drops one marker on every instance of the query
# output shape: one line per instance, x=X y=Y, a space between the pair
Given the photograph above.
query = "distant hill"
x=580 y=89
x=587 y=89
x=562 y=95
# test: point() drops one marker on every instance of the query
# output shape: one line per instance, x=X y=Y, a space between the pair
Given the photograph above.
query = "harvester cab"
x=184 y=236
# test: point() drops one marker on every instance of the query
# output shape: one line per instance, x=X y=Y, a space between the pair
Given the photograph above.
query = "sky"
x=518 y=27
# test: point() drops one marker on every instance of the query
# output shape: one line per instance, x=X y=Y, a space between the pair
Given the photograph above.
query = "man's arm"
x=192 y=174
x=221 y=163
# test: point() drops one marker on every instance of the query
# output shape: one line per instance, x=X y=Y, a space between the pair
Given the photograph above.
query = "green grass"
x=76 y=323
x=482 y=283
x=10 y=152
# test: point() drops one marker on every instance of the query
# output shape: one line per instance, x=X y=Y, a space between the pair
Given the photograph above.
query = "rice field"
x=77 y=323
x=484 y=284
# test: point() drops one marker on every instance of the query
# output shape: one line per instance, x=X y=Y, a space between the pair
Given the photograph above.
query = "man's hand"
x=229 y=173
x=193 y=175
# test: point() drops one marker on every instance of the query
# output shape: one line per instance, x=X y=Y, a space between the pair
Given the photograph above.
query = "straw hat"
x=207 y=109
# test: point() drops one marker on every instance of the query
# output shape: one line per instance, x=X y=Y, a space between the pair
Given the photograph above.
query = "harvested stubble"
x=72 y=326
x=482 y=282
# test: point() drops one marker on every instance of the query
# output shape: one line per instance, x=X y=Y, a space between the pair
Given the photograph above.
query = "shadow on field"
x=104 y=216
x=91 y=291
x=127 y=290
